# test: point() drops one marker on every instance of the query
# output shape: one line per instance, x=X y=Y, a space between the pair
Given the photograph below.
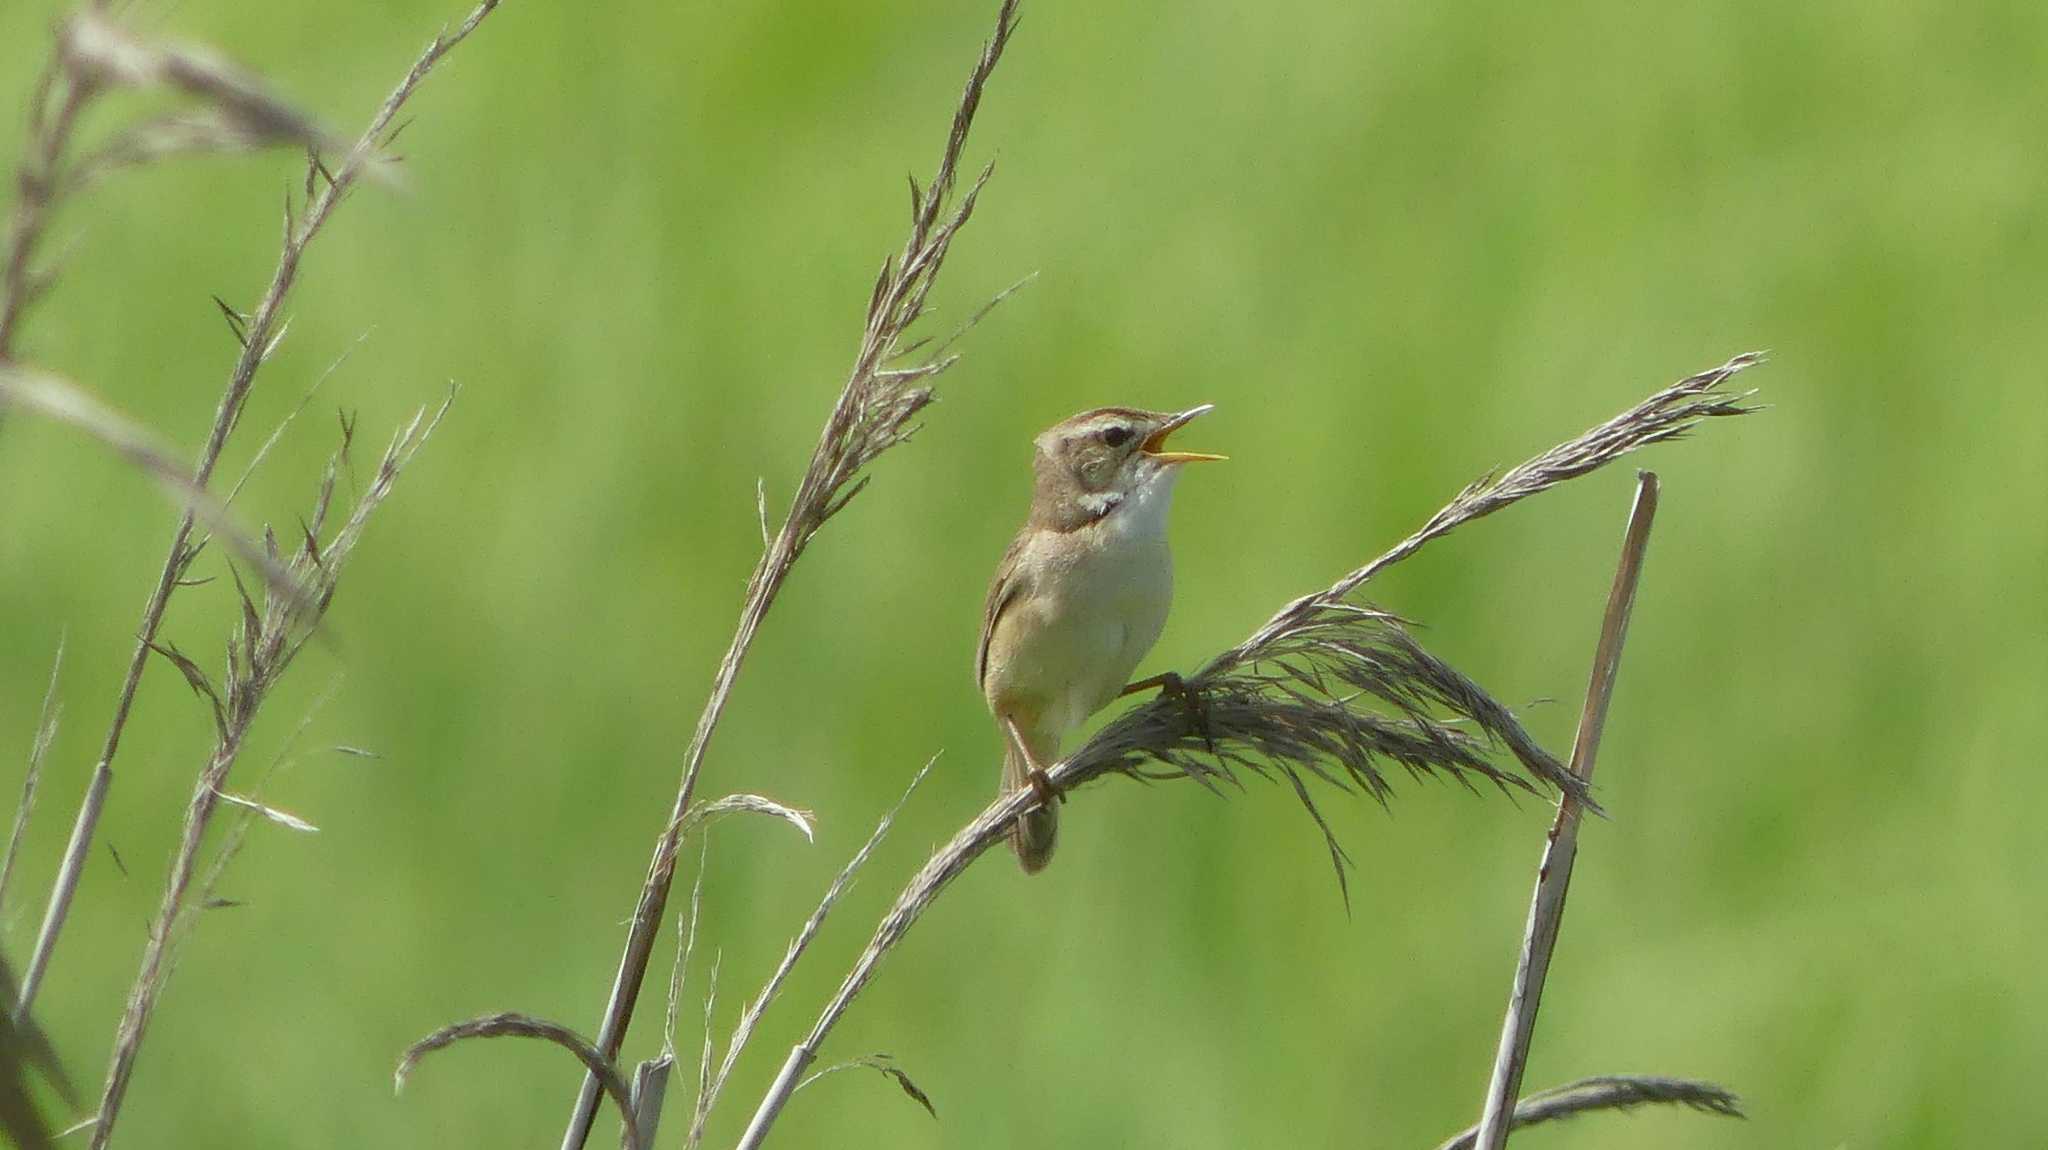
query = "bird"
x=1080 y=596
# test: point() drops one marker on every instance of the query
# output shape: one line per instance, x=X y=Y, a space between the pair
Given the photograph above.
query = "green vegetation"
x=1395 y=244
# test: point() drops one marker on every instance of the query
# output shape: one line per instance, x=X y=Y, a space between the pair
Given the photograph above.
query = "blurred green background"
x=1396 y=243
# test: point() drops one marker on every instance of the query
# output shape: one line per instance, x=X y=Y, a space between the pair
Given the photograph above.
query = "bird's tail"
x=1035 y=832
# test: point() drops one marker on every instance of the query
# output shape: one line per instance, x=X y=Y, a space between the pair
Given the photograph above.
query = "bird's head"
x=1089 y=465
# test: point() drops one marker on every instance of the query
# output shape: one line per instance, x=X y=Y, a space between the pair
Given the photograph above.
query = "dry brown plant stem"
x=873 y=413
x=258 y=654
x=1162 y=731
x=92 y=52
x=258 y=340
x=35 y=190
x=1554 y=876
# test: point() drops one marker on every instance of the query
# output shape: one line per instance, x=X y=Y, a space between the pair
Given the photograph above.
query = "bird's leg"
x=1170 y=683
x=1041 y=783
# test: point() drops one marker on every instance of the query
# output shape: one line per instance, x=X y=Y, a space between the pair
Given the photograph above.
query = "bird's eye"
x=1116 y=436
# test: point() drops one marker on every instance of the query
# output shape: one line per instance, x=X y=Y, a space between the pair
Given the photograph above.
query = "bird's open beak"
x=1157 y=440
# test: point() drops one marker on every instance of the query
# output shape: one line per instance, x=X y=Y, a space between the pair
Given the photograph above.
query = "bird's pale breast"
x=1099 y=601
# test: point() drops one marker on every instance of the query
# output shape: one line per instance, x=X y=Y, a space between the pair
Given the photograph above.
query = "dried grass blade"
x=886 y=1065
x=797 y=946
x=1610 y=1092
x=281 y=818
x=704 y=813
x=1554 y=876
x=515 y=1025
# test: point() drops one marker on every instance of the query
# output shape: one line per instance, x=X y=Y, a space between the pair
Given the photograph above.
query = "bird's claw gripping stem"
x=1170 y=683
x=1042 y=786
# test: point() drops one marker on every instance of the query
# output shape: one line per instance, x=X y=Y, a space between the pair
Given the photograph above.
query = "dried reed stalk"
x=1609 y=1092
x=257 y=333
x=259 y=651
x=873 y=413
x=93 y=53
x=1284 y=701
x=1554 y=876
x=55 y=102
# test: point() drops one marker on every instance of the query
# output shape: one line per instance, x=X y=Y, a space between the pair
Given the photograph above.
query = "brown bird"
x=1080 y=596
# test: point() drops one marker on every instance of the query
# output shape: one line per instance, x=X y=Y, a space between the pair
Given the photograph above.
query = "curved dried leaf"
x=514 y=1025
x=1610 y=1092
x=885 y=1064
x=707 y=811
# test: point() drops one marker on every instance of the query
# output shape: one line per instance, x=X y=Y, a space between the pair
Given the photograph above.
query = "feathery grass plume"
x=173 y=135
x=1297 y=710
x=1668 y=414
x=751 y=1016
x=100 y=52
x=92 y=52
x=875 y=411
x=39 y=746
x=260 y=649
x=1610 y=1092
x=53 y=109
x=509 y=1025
x=257 y=333
x=1260 y=698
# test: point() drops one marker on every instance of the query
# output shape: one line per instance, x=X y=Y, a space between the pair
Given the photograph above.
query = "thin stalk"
x=141 y=1000
x=872 y=414
x=259 y=652
x=800 y=1058
x=1554 y=876
x=36 y=184
x=257 y=343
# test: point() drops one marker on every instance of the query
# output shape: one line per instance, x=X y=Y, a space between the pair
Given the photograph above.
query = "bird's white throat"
x=1141 y=513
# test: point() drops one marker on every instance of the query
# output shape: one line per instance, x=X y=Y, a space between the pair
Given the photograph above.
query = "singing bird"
x=1080 y=596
